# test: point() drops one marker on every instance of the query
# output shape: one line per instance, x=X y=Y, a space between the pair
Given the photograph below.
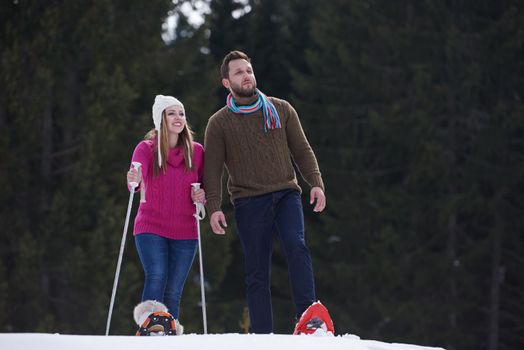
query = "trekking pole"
x=200 y=214
x=133 y=185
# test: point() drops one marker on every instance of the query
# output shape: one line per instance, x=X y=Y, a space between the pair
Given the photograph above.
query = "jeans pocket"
x=240 y=202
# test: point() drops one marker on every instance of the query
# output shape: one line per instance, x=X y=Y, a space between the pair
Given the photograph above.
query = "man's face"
x=242 y=81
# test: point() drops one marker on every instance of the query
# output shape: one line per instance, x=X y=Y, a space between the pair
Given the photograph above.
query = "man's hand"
x=318 y=195
x=218 y=221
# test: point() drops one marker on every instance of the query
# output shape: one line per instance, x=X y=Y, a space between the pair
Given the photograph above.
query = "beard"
x=240 y=91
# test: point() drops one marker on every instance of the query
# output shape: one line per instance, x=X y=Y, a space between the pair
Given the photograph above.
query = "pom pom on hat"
x=161 y=103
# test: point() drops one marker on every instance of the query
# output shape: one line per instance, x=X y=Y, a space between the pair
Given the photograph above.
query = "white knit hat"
x=161 y=103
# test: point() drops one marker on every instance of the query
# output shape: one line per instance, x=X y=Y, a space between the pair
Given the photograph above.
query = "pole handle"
x=137 y=166
x=200 y=209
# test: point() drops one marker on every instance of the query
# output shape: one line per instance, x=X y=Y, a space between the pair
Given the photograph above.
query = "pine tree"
x=397 y=93
x=71 y=80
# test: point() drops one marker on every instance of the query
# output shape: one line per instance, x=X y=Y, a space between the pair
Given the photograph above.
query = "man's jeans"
x=166 y=264
x=257 y=219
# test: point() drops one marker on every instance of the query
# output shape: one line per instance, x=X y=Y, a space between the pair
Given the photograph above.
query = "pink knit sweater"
x=168 y=210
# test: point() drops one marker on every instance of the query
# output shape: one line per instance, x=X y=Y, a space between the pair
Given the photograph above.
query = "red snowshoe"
x=314 y=318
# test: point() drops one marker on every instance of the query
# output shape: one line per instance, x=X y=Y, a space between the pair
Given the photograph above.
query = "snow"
x=230 y=341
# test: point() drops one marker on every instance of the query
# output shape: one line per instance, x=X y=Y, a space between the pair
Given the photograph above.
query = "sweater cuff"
x=315 y=180
x=212 y=206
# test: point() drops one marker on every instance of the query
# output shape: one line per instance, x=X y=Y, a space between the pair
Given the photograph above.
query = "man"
x=257 y=138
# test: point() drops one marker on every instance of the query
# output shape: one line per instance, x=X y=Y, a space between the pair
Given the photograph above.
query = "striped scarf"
x=271 y=118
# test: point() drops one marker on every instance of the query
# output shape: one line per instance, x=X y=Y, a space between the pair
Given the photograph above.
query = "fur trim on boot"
x=179 y=328
x=146 y=308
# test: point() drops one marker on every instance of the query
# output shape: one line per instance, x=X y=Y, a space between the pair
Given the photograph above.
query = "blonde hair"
x=185 y=138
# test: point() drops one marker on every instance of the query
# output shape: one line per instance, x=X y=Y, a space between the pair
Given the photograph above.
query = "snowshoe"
x=158 y=323
x=153 y=319
x=316 y=318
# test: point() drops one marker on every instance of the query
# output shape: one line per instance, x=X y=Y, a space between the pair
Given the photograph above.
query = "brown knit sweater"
x=257 y=162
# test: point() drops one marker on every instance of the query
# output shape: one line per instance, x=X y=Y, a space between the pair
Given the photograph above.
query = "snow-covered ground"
x=37 y=341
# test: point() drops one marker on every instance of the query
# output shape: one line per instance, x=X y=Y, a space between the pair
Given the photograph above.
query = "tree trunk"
x=46 y=152
x=452 y=258
x=495 y=291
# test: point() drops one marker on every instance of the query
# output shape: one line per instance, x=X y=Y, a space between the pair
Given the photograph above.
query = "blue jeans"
x=166 y=264
x=257 y=219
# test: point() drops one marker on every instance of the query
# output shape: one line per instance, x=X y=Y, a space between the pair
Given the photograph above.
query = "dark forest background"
x=414 y=108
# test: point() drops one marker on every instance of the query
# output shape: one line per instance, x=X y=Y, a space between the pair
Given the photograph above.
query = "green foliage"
x=402 y=98
x=414 y=110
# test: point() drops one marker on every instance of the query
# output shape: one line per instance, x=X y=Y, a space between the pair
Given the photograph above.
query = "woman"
x=165 y=227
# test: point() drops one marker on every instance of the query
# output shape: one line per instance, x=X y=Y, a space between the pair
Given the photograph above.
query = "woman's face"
x=175 y=119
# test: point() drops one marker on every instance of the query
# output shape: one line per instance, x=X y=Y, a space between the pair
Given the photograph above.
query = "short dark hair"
x=233 y=55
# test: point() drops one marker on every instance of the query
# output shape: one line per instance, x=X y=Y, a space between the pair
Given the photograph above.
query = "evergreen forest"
x=414 y=108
